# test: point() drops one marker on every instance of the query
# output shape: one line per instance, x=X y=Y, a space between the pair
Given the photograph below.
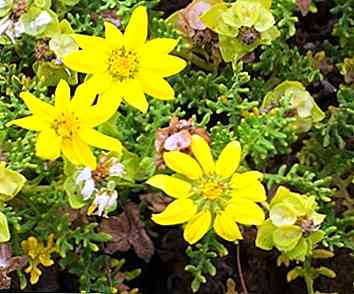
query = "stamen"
x=212 y=190
x=122 y=64
x=248 y=35
x=66 y=124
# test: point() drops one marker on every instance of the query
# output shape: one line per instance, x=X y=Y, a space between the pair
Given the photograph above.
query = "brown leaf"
x=128 y=231
x=9 y=264
x=177 y=136
x=157 y=201
x=303 y=5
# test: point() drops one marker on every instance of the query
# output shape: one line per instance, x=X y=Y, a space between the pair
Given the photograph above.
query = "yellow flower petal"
x=159 y=46
x=226 y=228
x=96 y=139
x=36 y=105
x=162 y=65
x=33 y=122
x=172 y=186
x=84 y=97
x=134 y=95
x=91 y=43
x=45 y=260
x=202 y=153
x=86 y=61
x=255 y=192
x=245 y=212
x=183 y=164
x=100 y=82
x=62 y=96
x=178 y=212
x=136 y=32
x=156 y=86
x=197 y=227
x=84 y=153
x=245 y=179
x=69 y=153
x=48 y=145
x=35 y=274
x=112 y=98
x=113 y=35
x=93 y=116
x=229 y=160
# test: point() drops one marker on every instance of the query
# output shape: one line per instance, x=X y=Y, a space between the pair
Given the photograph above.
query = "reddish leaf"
x=128 y=231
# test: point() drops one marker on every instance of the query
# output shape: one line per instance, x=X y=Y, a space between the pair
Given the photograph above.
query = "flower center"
x=212 y=190
x=122 y=64
x=248 y=35
x=66 y=124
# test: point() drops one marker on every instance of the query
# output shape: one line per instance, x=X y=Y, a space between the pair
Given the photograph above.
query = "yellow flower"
x=210 y=194
x=38 y=254
x=126 y=66
x=68 y=125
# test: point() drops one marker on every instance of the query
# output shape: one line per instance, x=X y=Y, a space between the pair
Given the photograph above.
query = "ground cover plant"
x=177 y=146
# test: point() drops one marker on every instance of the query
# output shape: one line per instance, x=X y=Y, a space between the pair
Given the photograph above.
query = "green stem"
x=308 y=276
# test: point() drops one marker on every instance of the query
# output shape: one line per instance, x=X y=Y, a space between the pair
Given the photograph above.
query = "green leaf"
x=322 y=253
x=50 y=73
x=212 y=20
x=294 y=273
x=76 y=200
x=325 y=271
x=285 y=238
x=5 y=7
x=264 y=239
x=4 y=229
x=317 y=236
x=44 y=4
x=39 y=23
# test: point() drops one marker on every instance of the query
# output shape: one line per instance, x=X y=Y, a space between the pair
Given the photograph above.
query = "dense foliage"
x=205 y=141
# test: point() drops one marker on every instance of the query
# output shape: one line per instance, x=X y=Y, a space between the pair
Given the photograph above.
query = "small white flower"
x=103 y=202
x=5 y=23
x=88 y=189
x=84 y=175
x=116 y=170
x=19 y=29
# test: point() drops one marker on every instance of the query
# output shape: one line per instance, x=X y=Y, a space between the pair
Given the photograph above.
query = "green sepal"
x=11 y=183
x=264 y=239
x=76 y=200
x=300 y=251
x=285 y=238
x=282 y=214
x=4 y=229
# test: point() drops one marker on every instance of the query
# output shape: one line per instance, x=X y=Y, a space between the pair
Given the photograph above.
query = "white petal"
x=84 y=175
x=117 y=170
x=88 y=189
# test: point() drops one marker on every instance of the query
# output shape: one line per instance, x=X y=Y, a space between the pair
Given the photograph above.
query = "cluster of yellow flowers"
x=38 y=254
x=126 y=67
x=120 y=67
